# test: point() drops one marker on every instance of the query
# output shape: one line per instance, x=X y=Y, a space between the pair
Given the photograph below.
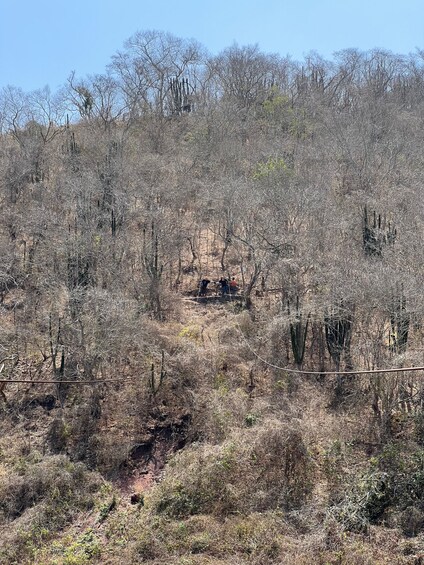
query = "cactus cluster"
x=70 y=146
x=81 y=270
x=377 y=233
x=298 y=332
x=180 y=96
x=338 y=323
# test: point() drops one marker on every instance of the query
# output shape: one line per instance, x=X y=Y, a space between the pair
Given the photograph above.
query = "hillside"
x=144 y=423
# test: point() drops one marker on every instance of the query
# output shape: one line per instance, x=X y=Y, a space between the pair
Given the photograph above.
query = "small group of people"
x=228 y=286
x=225 y=286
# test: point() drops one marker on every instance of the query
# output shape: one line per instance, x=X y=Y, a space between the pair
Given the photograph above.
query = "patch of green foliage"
x=392 y=485
x=273 y=166
x=80 y=551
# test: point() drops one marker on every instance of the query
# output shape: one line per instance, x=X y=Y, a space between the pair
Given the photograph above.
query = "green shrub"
x=363 y=504
x=392 y=487
x=82 y=550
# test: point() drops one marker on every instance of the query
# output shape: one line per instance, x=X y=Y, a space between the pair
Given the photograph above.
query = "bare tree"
x=147 y=65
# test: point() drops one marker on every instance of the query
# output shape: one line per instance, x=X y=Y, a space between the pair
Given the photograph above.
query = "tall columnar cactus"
x=298 y=332
x=38 y=171
x=110 y=211
x=153 y=267
x=155 y=383
x=391 y=234
x=338 y=330
x=113 y=222
x=71 y=146
x=376 y=233
x=57 y=351
x=81 y=269
x=151 y=252
x=81 y=259
x=108 y=176
x=399 y=322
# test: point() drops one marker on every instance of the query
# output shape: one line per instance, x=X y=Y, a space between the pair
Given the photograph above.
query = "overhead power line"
x=83 y=382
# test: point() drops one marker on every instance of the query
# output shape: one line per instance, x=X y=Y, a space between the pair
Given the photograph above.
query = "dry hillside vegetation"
x=143 y=423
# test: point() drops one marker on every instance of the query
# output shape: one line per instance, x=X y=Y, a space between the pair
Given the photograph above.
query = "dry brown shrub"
x=220 y=411
x=40 y=499
x=255 y=469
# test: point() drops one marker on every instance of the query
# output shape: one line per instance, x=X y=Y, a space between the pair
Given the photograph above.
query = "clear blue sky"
x=42 y=41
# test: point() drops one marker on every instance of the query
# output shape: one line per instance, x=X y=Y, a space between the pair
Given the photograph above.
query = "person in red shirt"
x=233 y=285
